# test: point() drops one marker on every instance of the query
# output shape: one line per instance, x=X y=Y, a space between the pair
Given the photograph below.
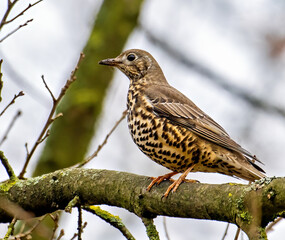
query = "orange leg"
x=177 y=182
x=159 y=179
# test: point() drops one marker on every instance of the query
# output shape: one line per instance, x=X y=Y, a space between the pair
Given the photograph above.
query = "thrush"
x=172 y=131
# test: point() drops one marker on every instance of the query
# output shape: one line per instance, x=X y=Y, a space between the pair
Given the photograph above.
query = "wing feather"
x=179 y=110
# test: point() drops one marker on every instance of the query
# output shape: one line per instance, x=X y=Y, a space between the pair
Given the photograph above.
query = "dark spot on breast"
x=155 y=135
x=165 y=128
x=196 y=156
x=148 y=108
x=190 y=144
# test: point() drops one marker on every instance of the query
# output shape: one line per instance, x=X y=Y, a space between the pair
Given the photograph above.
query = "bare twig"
x=237 y=233
x=61 y=234
x=50 y=117
x=45 y=136
x=22 y=13
x=27 y=149
x=226 y=231
x=15 y=30
x=47 y=87
x=18 y=114
x=55 y=218
x=271 y=225
x=75 y=234
x=10 y=229
x=6 y=14
x=115 y=221
x=221 y=81
x=79 y=223
x=21 y=93
x=93 y=155
x=165 y=228
x=1 y=82
x=8 y=167
x=39 y=229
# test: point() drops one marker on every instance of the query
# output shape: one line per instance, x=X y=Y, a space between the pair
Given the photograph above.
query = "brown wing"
x=179 y=110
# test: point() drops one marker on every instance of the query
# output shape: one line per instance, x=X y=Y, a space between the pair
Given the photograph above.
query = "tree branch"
x=251 y=207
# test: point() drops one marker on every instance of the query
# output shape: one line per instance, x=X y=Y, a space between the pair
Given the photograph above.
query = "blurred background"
x=226 y=56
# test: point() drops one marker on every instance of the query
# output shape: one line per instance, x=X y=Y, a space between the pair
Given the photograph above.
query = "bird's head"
x=135 y=64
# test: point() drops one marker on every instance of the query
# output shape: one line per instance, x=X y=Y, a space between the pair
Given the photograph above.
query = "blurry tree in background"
x=66 y=143
x=70 y=137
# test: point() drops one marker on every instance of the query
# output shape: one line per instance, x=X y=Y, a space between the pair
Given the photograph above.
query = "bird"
x=172 y=131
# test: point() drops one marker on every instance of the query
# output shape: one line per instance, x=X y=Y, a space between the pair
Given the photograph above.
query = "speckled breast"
x=172 y=146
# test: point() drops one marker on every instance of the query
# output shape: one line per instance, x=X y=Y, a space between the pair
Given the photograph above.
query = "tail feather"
x=244 y=167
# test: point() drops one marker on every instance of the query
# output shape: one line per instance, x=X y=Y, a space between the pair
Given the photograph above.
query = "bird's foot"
x=177 y=182
x=159 y=179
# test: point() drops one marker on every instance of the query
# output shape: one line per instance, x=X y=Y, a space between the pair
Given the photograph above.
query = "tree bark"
x=250 y=207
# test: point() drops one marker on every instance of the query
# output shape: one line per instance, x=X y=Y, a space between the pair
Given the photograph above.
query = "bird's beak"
x=110 y=62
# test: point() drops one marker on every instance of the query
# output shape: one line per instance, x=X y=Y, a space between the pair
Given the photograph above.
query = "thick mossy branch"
x=248 y=206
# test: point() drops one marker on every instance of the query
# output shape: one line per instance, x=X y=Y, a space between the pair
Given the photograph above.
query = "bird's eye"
x=131 y=57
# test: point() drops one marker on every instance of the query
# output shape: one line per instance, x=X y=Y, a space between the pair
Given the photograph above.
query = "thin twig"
x=1 y=82
x=50 y=117
x=93 y=155
x=8 y=167
x=75 y=234
x=55 y=218
x=6 y=14
x=115 y=221
x=42 y=231
x=22 y=13
x=226 y=231
x=165 y=228
x=15 y=30
x=27 y=149
x=47 y=87
x=271 y=225
x=61 y=234
x=18 y=114
x=150 y=228
x=237 y=234
x=21 y=93
x=79 y=223
x=45 y=136
x=10 y=229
